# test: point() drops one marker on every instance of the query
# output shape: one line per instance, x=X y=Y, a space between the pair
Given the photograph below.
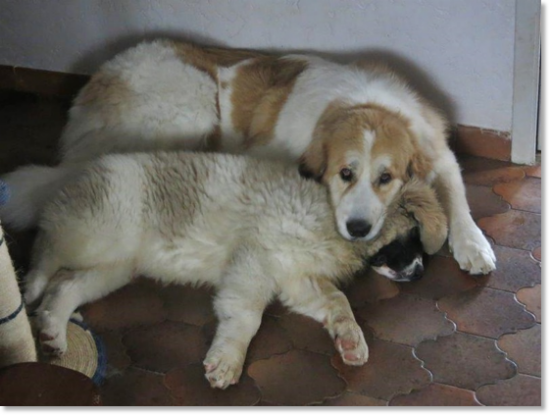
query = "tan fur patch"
x=341 y=129
x=260 y=90
x=209 y=58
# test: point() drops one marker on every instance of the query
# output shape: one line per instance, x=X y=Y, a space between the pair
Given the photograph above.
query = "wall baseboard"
x=468 y=140
x=47 y=83
x=476 y=141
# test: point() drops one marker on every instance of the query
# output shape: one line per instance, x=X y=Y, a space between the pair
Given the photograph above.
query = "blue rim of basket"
x=99 y=375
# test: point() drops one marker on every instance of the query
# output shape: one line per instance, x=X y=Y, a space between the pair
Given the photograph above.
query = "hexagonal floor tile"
x=515 y=229
x=406 y=319
x=136 y=387
x=483 y=202
x=437 y=395
x=521 y=195
x=531 y=298
x=165 y=346
x=307 y=333
x=521 y=390
x=188 y=305
x=134 y=305
x=514 y=270
x=189 y=387
x=524 y=348
x=392 y=369
x=296 y=378
x=271 y=339
x=370 y=287
x=465 y=361
x=352 y=399
x=442 y=277
x=486 y=312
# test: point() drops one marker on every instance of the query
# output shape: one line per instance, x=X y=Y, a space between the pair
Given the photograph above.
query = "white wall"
x=459 y=52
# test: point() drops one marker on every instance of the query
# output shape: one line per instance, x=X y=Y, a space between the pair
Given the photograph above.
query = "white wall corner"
x=526 y=81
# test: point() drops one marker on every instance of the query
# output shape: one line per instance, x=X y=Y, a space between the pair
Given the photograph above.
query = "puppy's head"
x=416 y=223
x=363 y=154
x=402 y=259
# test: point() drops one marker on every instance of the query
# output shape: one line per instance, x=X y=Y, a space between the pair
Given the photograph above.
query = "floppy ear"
x=420 y=165
x=312 y=163
x=420 y=201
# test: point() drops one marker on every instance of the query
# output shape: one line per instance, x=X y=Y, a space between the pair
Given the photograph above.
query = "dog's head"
x=402 y=259
x=416 y=223
x=363 y=154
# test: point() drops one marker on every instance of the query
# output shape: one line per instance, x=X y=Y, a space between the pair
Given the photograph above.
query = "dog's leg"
x=68 y=290
x=320 y=299
x=471 y=249
x=240 y=311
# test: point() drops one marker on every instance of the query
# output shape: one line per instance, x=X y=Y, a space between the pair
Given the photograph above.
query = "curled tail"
x=27 y=190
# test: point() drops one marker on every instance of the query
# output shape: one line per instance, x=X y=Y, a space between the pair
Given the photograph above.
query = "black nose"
x=358 y=228
x=418 y=273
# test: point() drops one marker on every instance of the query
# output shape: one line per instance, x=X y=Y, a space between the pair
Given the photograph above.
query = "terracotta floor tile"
x=307 y=333
x=392 y=369
x=437 y=395
x=514 y=270
x=276 y=309
x=164 y=346
x=486 y=312
x=271 y=339
x=370 y=287
x=522 y=390
x=521 y=195
x=352 y=399
x=491 y=176
x=534 y=171
x=531 y=298
x=189 y=387
x=464 y=361
x=442 y=277
x=524 y=348
x=537 y=254
x=188 y=305
x=136 y=388
x=133 y=305
x=117 y=357
x=296 y=378
x=515 y=229
x=483 y=202
x=406 y=319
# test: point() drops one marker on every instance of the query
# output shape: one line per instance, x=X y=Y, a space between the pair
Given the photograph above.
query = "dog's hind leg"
x=320 y=299
x=43 y=266
x=68 y=290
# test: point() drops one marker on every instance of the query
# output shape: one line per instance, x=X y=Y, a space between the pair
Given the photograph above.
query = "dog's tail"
x=28 y=189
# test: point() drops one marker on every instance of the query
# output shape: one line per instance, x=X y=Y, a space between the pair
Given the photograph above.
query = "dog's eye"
x=385 y=178
x=346 y=174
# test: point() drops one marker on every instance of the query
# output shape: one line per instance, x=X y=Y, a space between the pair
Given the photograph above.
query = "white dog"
x=254 y=230
x=359 y=129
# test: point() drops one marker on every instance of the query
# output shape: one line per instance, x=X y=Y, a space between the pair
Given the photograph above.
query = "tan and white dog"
x=359 y=129
x=252 y=229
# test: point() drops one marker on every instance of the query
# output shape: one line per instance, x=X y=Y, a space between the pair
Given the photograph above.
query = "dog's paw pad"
x=221 y=373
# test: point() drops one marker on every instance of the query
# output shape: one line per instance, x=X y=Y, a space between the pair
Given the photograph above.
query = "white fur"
x=252 y=229
x=149 y=98
x=30 y=187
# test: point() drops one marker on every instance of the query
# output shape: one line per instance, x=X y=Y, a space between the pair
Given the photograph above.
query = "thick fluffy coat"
x=358 y=128
x=252 y=229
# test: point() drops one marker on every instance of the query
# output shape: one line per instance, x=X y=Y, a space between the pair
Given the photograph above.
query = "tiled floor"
x=449 y=339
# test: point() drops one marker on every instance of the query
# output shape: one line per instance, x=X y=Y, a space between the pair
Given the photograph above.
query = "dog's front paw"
x=51 y=335
x=471 y=250
x=350 y=343
x=221 y=370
